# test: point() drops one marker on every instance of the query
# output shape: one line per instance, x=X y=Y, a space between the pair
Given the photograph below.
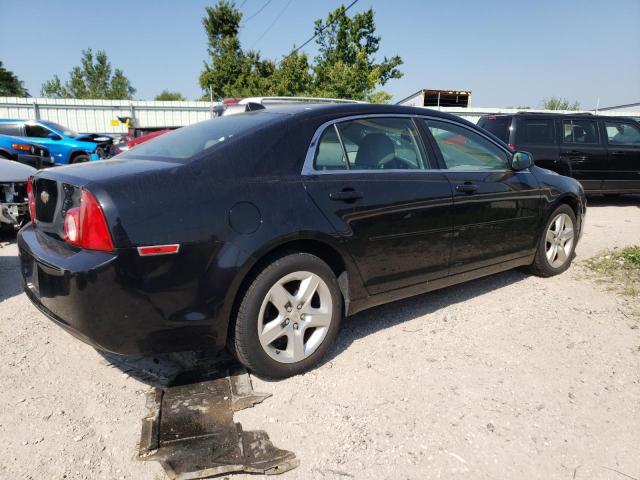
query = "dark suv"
x=603 y=153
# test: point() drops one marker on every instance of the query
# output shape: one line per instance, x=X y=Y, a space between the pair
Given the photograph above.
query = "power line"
x=317 y=33
x=272 y=23
x=242 y=4
x=259 y=10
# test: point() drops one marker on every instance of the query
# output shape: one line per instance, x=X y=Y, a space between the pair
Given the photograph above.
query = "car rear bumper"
x=96 y=297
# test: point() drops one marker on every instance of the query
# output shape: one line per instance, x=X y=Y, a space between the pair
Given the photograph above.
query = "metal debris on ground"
x=191 y=432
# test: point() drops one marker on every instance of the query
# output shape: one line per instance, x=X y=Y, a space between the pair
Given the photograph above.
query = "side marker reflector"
x=158 y=250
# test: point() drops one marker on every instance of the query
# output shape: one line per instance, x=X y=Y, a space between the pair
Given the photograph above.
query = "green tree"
x=168 y=96
x=554 y=103
x=10 y=85
x=345 y=66
x=93 y=78
x=379 y=96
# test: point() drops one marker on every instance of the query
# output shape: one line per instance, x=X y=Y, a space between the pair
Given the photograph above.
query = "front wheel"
x=557 y=244
x=288 y=317
x=81 y=158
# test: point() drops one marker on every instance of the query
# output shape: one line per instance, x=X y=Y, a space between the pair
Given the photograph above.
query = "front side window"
x=537 y=131
x=382 y=143
x=579 y=131
x=463 y=149
x=619 y=133
x=36 y=131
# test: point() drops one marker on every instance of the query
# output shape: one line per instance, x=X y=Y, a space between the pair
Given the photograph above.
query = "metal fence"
x=100 y=116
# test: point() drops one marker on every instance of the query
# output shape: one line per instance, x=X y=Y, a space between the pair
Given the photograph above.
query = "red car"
x=128 y=142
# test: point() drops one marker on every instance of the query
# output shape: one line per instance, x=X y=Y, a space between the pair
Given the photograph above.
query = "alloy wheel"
x=295 y=316
x=559 y=240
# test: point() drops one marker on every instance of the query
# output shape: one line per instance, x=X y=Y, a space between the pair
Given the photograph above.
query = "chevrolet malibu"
x=260 y=231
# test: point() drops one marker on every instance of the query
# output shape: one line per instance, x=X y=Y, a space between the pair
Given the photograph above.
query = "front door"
x=623 y=148
x=371 y=177
x=41 y=135
x=496 y=209
x=583 y=151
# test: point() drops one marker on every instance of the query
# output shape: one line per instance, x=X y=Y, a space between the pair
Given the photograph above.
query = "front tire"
x=81 y=158
x=289 y=317
x=557 y=244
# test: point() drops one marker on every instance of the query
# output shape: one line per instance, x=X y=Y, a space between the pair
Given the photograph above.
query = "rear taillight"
x=512 y=147
x=31 y=198
x=86 y=226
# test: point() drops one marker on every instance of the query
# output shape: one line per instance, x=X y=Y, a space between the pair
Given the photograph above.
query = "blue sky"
x=509 y=53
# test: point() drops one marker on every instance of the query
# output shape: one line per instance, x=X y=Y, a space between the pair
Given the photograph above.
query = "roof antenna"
x=597 y=105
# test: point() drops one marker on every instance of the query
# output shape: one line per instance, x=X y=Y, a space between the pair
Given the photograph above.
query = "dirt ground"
x=507 y=377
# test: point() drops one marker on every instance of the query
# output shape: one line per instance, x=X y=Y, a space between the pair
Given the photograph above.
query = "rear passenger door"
x=623 y=148
x=372 y=177
x=584 y=152
x=496 y=209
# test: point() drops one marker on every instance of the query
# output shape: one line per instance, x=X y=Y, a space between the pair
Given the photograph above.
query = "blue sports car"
x=65 y=145
x=18 y=149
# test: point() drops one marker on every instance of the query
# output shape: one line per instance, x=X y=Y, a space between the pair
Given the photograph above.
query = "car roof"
x=311 y=110
x=558 y=115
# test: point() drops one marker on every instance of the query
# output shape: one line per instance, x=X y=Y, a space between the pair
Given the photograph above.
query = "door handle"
x=617 y=153
x=467 y=187
x=346 y=195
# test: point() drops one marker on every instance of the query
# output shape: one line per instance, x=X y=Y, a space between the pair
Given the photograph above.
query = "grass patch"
x=619 y=267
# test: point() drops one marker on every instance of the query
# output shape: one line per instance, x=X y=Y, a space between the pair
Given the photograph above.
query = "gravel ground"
x=507 y=377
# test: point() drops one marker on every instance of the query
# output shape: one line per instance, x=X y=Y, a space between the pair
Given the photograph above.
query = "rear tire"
x=556 y=247
x=288 y=318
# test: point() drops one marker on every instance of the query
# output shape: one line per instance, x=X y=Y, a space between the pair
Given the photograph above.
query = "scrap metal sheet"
x=190 y=430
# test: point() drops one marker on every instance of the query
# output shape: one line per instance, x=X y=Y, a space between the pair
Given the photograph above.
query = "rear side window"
x=183 y=144
x=499 y=126
x=329 y=155
x=537 y=131
x=10 y=129
x=382 y=143
x=579 y=131
x=619 y=133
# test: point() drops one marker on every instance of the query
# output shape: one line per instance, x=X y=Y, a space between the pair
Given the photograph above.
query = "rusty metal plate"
x=190 y=430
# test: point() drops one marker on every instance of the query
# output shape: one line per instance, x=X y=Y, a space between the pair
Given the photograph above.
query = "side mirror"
x=53 y=136
x=521 y=160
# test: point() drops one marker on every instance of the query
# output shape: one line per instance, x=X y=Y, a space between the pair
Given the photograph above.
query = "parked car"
x=603 y=153
x=65 y=145
x=261 y=230
x=14 y=209
x=127 y=143
x=14 y=148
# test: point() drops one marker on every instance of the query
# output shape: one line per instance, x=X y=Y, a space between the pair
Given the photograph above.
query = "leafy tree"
x=554 y=103
x=345 y=66
x=93 y=78
x=10 y=85
x=379 y=96
x=168 y=96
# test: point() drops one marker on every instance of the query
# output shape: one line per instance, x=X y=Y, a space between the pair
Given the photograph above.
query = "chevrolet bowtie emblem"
x=44 y=196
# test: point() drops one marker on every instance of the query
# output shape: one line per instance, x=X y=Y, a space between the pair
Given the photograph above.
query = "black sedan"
x=260 y=231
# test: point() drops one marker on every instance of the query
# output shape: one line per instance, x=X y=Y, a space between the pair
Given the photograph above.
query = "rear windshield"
x=499 y=126
x=185 y=143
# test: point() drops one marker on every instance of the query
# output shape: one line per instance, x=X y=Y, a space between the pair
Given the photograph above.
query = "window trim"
x=308 y=166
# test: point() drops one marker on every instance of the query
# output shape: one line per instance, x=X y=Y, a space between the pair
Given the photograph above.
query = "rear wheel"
x=557 y=244
x=288 y=317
